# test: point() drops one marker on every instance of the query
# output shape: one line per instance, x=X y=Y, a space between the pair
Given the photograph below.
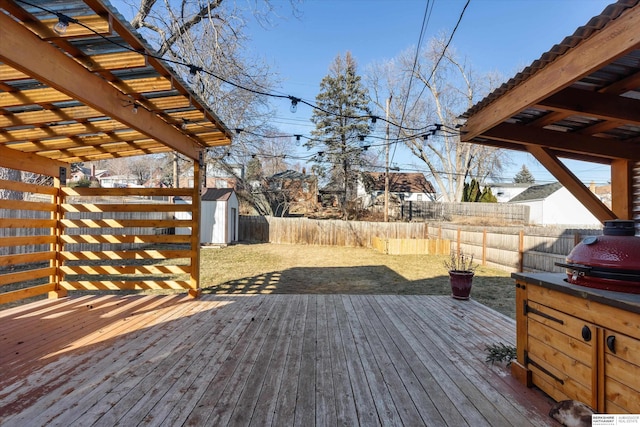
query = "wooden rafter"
x=568 y=142
x=591 y=54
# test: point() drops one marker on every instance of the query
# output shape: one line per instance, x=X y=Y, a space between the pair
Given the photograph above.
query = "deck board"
x=262 y=360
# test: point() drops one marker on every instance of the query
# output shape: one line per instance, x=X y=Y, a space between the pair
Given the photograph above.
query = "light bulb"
x=134 y=109
x=373 y=122
x=193 y=74
x=294 y=105
x=62 y=25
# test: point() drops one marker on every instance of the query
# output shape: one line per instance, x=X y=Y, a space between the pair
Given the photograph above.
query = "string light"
x=62 y=24
x=294 y=104
x=64 y=21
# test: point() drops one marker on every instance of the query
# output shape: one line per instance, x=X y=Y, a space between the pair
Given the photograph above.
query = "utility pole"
x=386 y=162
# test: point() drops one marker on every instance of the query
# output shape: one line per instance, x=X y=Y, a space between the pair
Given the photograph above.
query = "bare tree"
x=430 y=92
x=209 y=35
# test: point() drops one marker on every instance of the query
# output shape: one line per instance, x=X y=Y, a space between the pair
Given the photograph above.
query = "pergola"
x=580 y=100
x=92 y=92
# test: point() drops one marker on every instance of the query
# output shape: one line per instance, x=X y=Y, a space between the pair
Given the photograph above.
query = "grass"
x=270 y=268
x=289 y=269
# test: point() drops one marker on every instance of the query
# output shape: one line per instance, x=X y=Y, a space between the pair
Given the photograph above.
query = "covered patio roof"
x=94 y=92
x=581 y=101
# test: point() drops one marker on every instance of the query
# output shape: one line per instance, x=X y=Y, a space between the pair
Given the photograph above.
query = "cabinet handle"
x=611 y=343
x=586 y=333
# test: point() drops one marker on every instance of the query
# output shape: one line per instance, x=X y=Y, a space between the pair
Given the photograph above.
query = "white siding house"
x=553 y=204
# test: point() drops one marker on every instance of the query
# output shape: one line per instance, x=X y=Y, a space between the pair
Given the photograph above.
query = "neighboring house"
x=215 y=177
x=298 y=191
x=218 y=216
x=553 y=204
x=88 y=173
x=403 y=186
x=119 y=181
x=506 y=191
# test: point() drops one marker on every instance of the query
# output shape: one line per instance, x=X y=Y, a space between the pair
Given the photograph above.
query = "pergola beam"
x=572 y=183
x=569 y=142
x=30 y=162
x=56 y=69
x=598 y=105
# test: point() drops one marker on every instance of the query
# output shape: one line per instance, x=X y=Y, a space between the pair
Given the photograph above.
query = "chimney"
x=93 y=171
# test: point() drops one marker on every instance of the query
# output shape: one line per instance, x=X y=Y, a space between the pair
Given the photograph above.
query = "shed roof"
x=400 y=182
x=95 y=92
x=217 y=194
x=537 y=192
x=580 y=100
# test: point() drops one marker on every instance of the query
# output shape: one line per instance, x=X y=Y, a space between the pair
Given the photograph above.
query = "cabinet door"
x=620 y=374
x=561 y=354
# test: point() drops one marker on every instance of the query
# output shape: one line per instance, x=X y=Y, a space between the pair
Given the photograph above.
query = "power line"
x=195 y=69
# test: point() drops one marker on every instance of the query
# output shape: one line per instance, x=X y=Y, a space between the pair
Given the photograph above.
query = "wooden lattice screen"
x=54 y=239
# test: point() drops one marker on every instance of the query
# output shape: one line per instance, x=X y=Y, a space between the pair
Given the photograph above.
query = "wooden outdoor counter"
x=578 y=343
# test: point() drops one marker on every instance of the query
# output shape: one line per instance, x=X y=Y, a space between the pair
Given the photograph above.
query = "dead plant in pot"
x=461 y=271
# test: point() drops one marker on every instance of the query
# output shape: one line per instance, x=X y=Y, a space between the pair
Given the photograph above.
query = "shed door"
x=233 y=225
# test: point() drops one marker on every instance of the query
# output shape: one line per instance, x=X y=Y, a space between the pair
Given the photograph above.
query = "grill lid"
x=610 y=261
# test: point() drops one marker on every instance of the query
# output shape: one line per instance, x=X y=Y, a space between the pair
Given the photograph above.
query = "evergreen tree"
x=524 y=176
x=472 y=193
x=341 y=120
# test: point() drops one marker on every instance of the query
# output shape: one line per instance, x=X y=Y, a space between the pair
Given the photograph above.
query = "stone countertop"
x=557 y=282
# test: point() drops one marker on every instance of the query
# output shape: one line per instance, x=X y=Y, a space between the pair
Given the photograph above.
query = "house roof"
x=291 y=175
x=399 y=182
x=217 y=194
x=71 y=97
x=537 y=192
x=580 y=100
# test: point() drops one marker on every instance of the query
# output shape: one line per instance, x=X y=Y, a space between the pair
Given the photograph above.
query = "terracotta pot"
x=461 y=282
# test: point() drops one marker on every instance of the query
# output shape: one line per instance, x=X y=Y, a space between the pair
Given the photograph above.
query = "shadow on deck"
x=259 y=360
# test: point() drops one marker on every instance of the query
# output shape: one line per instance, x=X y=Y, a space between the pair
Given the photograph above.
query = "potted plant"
x=461 y=270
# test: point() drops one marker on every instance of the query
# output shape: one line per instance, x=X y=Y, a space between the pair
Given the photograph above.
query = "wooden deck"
x=259 y=360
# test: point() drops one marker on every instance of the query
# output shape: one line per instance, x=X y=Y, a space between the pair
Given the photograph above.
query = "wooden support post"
x=56 y=247
x=195 y=230
x=519 y=368
x=622 y=188
x=484 y=246
x=521 y=251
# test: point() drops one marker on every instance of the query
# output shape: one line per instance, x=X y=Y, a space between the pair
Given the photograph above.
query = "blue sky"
x=495 y=35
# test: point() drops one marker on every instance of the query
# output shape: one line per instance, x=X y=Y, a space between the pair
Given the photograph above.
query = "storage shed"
x=219 y=216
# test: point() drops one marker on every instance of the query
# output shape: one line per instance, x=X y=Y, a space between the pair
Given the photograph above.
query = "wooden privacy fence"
x=517 y=248
x=306 y=231
x=66 y=240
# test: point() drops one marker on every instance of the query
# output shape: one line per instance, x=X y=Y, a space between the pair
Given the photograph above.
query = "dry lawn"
x=270 y=268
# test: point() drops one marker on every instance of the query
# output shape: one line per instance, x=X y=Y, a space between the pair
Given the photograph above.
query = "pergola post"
x=56 y=247
x=195 y=226
x=622 y=188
